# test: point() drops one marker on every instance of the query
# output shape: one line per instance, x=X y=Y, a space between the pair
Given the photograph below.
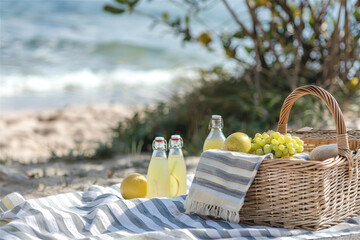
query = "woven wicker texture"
x=307 y=194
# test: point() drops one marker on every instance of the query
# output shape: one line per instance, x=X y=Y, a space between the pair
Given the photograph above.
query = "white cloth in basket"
x=221 y=182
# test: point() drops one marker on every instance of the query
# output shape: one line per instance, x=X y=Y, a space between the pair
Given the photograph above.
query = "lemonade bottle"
x=158 y=178
x=216 y=138
x=177 y=167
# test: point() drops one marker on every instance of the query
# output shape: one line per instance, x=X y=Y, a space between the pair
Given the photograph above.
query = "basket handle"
x=333 y=106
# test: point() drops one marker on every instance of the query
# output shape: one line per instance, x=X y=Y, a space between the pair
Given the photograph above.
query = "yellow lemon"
x=133 y=186
x=174 y=185
x=238 y=142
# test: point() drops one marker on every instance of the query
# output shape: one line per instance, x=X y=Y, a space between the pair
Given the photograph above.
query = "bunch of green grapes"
x=278 y=144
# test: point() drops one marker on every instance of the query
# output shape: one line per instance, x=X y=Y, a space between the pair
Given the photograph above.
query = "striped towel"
x=9 y=202
x=102 y=213
x=221 y=182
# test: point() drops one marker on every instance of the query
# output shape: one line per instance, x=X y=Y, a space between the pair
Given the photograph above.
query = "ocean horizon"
x=55 y=53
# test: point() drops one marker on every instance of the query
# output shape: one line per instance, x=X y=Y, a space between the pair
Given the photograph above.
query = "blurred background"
x=90 y=79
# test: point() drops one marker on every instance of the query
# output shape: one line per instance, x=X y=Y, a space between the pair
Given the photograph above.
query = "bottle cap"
x=175 y=137
x=216 y=117
x=159 y=139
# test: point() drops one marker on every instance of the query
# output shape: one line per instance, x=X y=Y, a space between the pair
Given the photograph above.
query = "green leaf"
x=122 y=1
x=113 y=10
x=248 y=49
x=165 y=16
x=239 y=34
x=187 y=20
x=132 y=3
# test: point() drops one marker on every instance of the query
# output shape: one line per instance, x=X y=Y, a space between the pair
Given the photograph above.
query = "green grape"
x=258 y=135
x=281 y=140
x=293 y=141
x=272 y=145
x=278 y=153
x=288 y=139
x=301 y=142
x=268 y=140
x=276 y=135
x=292 y=151
x=296 y=146
x=258 y=140
x=275 y=142
x=285 y=154
x=300 y=149
x=267 y=147
x=262 y=142
x=287 y=135
x=281 y=147
x=265 y=136
x=260 y=151
x=297 y=139
x=286 y=151
x=289 y=145
x=275 y=147
x=252 y=147
x=256 y=146
x=268 y=150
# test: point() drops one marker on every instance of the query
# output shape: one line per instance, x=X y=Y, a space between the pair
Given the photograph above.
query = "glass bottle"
x=158 y=177
x=177 y=166
x=216 y=138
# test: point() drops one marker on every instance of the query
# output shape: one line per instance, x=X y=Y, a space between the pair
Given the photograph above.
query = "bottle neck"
x=175 y=151
x=216 y=124
x=159 y=153
x=216 y=133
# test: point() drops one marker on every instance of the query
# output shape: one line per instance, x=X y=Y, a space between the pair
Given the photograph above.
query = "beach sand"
x=28 y=137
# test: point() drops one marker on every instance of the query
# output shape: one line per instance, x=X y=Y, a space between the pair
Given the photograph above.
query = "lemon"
x=174 y=185
x=238 y=142
x=133 y=186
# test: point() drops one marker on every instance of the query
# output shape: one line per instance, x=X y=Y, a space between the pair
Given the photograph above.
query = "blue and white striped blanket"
x=102 y=213
x=222 y=179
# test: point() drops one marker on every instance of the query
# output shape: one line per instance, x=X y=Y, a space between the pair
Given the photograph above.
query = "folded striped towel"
x=221 y=181
x=9 y=202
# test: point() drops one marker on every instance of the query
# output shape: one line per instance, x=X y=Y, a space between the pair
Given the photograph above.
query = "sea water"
x=55 y=53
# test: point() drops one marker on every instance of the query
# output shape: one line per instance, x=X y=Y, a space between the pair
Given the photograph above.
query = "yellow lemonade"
x=216 y=138
x=158 y=178
x=213 y=143
x=178 y=168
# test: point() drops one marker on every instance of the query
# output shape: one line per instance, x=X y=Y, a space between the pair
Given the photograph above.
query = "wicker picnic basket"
x=304 y=194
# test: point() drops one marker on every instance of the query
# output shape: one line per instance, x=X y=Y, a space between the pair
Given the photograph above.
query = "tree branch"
x=237 y=20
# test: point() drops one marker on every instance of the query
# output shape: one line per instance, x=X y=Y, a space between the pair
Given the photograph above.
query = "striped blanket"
x=221 y=182
x=102 y=213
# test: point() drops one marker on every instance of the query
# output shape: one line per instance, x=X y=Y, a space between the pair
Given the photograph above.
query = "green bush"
x=243 y=109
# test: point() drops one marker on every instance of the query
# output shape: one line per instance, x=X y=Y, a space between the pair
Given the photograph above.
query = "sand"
x=28 y=137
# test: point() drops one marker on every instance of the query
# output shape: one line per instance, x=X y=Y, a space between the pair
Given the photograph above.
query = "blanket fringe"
x=192 y=206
